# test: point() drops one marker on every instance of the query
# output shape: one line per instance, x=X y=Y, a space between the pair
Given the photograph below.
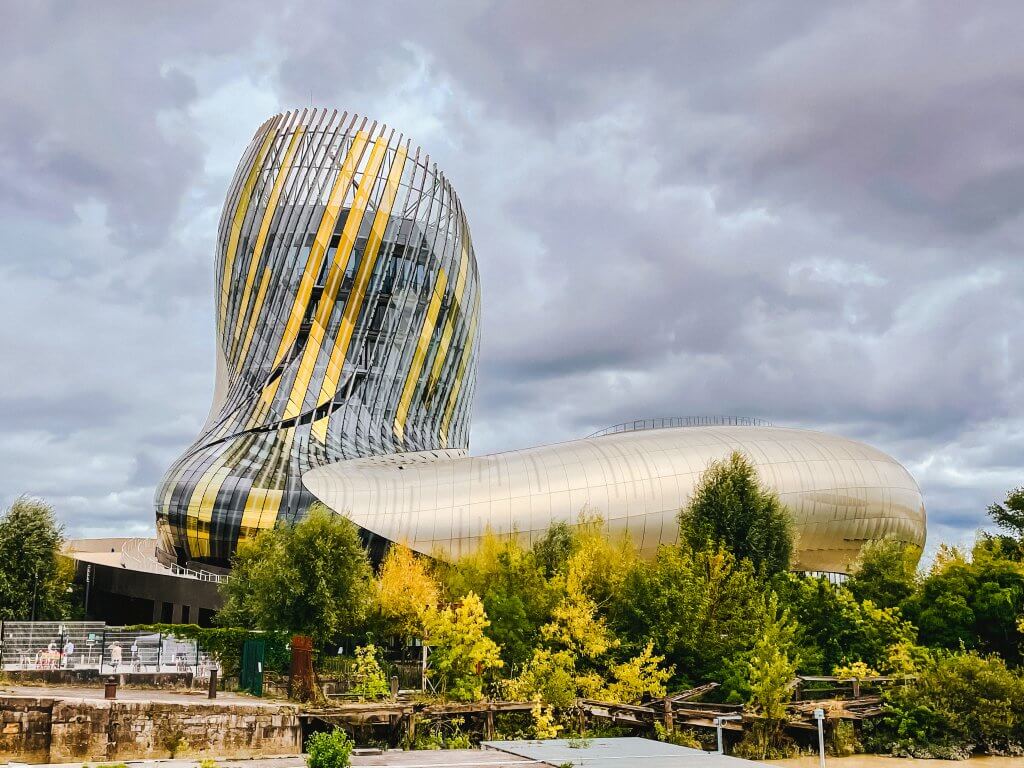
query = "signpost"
x=718 y=728
x=819 y=715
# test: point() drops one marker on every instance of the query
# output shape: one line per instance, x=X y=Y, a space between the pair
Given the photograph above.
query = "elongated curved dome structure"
x=347 y=306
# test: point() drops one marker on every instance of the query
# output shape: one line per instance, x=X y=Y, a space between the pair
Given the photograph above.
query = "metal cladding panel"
x=347 y=304
x=638 y=482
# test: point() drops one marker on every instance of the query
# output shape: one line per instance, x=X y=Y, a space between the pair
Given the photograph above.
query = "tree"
x=552 y=550
x=32 y=568
x=312 y=578
x=637 y=677
x=1010 y=514
x=699 y=608
x=885 y=573
x=730 y=507
x=972 y=602
x=460 y=653
x=834 y=628
x=404 y=594
x=771 y=668
x=516 y=596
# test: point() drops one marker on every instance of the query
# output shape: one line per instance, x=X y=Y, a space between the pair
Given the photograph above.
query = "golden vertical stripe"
x=256 y=501
x=205 y=516
x=454 y=394
x=255 y=317
x=420 y=354
x=321 y=243
x=334 y=278
x=239 y=218
x=449 y=326
x=360 y=284
x=194 y=515
x=268 y=217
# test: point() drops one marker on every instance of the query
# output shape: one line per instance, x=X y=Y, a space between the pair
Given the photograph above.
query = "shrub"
x=329 y=749
x=371 y=682
x=960 y=703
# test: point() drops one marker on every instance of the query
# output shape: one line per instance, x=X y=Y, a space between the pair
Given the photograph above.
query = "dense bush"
x=329 y=749
x=959 y=703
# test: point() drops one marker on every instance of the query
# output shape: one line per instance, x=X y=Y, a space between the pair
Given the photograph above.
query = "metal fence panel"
x=28 y=645
x=83 y=645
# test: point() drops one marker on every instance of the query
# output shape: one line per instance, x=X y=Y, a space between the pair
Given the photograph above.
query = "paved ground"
x=134 y=694
x=460 y=758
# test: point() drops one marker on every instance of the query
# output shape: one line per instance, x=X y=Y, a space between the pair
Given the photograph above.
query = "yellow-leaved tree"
x=405 y=594
x=460 y=653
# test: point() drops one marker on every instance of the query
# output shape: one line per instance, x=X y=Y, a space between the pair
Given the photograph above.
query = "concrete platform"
x=617 y=753
x=92 y=693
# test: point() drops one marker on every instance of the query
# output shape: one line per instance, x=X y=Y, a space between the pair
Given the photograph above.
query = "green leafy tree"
x=972 y=602
x=771 y=667
x=1010 y=514
x=699 y=608
x=885 y=573
x=32 y=568
x=312 y=578
x=460 y=653
x=834 y=628
x=730 y=507
x=553 y=549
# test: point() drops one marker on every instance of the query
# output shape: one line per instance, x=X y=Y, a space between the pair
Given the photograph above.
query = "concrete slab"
x=448 y=758
x=618 y=752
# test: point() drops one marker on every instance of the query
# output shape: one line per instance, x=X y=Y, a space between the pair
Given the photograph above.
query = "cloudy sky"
x=807 y=212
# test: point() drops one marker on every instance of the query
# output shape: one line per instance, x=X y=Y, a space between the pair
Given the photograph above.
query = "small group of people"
x=55 y=656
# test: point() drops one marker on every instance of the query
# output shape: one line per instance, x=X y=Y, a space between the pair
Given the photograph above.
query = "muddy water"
x=881 y=761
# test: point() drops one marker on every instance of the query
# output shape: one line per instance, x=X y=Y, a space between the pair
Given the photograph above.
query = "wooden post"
x=669 y=723
x=856 y=688
x=411 y=729
x=489 y=723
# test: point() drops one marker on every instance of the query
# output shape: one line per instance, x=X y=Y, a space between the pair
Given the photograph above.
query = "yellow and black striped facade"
x=347 y=326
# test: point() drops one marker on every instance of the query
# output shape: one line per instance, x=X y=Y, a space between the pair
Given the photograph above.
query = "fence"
x=340 y=672
x=90 y=645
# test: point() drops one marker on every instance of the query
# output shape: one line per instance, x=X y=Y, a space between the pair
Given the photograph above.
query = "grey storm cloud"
x=802 y=211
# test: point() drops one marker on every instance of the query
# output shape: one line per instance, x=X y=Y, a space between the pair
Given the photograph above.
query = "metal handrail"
x=682 y=421
x=131 y=557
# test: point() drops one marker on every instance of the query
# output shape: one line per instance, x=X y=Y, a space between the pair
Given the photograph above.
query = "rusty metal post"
x=110 y=688
x=212 y=692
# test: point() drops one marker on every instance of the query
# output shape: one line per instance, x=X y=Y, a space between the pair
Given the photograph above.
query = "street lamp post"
x=88 y=583
x=35 y=588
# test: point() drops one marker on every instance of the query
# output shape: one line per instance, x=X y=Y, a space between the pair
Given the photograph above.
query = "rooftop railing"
x=641 y=425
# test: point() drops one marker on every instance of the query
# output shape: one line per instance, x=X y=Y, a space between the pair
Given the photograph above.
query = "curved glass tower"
x=347 y=305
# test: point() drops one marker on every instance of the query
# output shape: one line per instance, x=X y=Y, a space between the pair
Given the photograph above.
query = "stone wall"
x=77 y=730
x=26 y=729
